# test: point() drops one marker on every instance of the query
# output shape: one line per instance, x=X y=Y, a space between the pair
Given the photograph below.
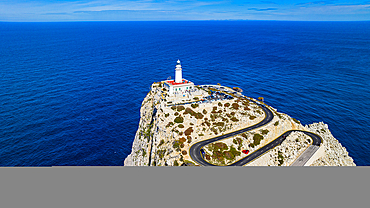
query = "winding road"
x=195 y=149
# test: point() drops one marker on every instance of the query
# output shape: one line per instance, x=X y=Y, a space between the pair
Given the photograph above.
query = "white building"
x=179 y=86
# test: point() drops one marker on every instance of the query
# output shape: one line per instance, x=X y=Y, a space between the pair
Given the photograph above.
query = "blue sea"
x=71 y=92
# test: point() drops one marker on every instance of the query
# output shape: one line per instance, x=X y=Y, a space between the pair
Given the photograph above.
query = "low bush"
x=181 y=126
x=194 y=105
x=188 y=131
x=276 y=123
x=252 y=117
x=235 y=106
x=175 y=163
x=179 y=119
x=264 y=131
x=257 y=139
x=234 y=119
x=184 y=152
x=189 y=139
x=180 y=108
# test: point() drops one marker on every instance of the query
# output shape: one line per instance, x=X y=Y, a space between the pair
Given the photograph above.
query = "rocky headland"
x=168 y=129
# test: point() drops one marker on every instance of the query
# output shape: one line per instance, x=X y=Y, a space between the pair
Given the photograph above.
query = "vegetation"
x=189 y=139
x=196 y=98
x=188 y=163
x=276 y=123
x=220 y=152
x=252 y=117
x=188 y=131
x=234 y=119
x=144 y=152
x=280 y=158
x=184 y=152
x=169 y=124
x=180 y=108
x=204 y=111
x=181 y=126
x=161 y=142
x=264 y=131
x=175 y=163
x=194 y=105
x=235 y=106
x=161 y=153
x=179 y=119
x=227 y=104
x=192 y=113
x=176 y=113
x=257 y=138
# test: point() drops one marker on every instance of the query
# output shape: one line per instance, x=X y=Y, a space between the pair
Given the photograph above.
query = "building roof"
x=184 y=82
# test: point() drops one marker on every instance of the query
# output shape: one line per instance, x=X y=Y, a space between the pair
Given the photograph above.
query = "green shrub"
x=196 y=98
x=204 y=111
x=181 y=126
x=175 y=163
x=219 y=124
x=220 y=104
x=257 y=139
x=265 y=131
x=227 y=104
x=189 y=139
x=176 y=114
x=194 y=105
x=280 y=158
x=276 y=123
x=252 y=117
x=179 y=119
x=173 y=107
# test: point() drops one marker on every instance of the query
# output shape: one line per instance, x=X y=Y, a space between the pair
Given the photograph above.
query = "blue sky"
x=148 y=10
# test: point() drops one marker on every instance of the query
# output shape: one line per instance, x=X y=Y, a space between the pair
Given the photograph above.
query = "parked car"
x=245 y=151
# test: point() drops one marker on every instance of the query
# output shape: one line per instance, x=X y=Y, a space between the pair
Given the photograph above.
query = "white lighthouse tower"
x=178 y=72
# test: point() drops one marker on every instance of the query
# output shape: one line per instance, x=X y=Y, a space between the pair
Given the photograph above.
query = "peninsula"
x=183 y=124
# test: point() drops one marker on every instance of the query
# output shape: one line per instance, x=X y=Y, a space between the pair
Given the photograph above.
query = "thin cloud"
x=261 y=10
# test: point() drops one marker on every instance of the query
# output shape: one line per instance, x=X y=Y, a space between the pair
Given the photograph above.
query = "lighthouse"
x=179 y=87
x=178 y=72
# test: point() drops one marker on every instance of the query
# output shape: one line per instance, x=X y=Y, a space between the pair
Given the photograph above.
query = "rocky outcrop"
x=165 y=134
x=335 y=153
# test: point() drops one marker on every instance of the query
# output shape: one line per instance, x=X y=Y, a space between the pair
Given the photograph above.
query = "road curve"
x=196 y=155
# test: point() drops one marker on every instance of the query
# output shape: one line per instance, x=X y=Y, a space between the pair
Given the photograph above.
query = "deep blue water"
x=70 y=93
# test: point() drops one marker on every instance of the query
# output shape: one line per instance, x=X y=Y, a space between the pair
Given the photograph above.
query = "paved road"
x=196 y=155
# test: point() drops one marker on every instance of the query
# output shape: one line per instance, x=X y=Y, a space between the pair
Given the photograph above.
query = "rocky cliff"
x=166 y=132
